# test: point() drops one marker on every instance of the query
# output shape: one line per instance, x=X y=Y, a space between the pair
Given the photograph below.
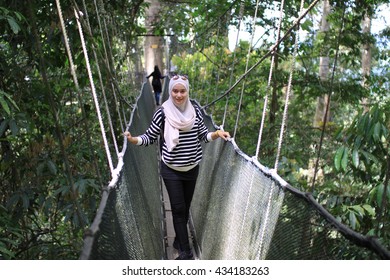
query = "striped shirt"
x=188 y=153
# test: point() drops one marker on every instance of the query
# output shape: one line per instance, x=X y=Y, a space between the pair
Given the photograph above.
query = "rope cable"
x=101 y=82
x=265 y=105
x=94 y=91
x=284 y=119
x=246 y=67
x=242 y=8
x=107 y=57
x=267 y=213
x=77 y=86
x=109 y=64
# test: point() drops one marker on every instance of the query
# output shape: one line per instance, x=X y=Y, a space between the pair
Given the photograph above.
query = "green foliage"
x=44 y=205
x=364 y=156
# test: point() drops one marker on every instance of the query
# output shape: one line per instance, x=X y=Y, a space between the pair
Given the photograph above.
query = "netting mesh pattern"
x=234 y=206
x=241 y=210
x=131 y=225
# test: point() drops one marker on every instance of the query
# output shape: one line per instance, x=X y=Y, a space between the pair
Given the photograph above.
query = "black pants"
x=180 y=187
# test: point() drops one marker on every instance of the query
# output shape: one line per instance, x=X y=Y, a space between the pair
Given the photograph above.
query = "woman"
x=183 y=130
x=156 y=83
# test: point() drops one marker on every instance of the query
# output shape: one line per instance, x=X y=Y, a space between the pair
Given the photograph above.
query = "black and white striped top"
x=189 y=150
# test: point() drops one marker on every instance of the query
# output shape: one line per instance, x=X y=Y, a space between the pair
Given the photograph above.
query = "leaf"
x=5 y=105
x=338 y=157
x=63 y=190
x=26 y=201
x=13 y=201
x=7 y=253
x=379 y=194
x=40 y=168
x=358 y=142
x=9 y=241
x=14 y=127
x=369 y=157
x=52 y=167
x=14 y=25
x=344 y=159
x=355 y=158
x=369 y=209
x=3 y=126
x=352 y=219
x=358 y=209
x=377 y=131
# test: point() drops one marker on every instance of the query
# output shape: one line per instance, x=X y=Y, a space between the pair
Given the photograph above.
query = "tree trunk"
x=324 y=71
x=153 y=45
x=322 y=101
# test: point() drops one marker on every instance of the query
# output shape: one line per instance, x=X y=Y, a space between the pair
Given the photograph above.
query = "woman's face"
x=179 y=94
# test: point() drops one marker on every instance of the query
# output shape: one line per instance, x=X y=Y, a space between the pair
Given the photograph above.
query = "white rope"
x=67 y=47
x=261 y=251
x=265 y=105
x=282 y=129
x=101 y=83
x=246 y=67
x=263 y=229
x=94 y=92
x=242 y=8
x=100 y=76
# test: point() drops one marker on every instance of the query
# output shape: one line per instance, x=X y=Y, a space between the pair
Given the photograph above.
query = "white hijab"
x=177 y=118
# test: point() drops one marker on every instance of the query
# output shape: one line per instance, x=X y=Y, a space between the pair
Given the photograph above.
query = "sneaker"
x=185 y=255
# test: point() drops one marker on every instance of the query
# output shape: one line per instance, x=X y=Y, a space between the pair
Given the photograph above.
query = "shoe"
x=185 y=255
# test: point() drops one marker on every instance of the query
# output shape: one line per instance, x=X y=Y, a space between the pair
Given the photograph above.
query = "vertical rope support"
x=282 y=129
x=246 y=206
x=246 y=67
x=241 y=14
x=94 y=92
x=261 y=252
x=101 y=83
x=108 y=64
x=265 y=105
x=220 y=66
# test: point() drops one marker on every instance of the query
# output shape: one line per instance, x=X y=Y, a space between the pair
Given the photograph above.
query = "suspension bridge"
x=241 y=208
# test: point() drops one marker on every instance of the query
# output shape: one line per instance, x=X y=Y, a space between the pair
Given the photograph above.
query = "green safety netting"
x=241 y=209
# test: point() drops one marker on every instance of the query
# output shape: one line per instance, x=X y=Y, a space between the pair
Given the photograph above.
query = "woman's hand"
x=221 y=134
x=130 y=138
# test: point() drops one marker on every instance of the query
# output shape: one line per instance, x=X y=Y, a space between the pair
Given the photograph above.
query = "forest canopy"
x=54 y=161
